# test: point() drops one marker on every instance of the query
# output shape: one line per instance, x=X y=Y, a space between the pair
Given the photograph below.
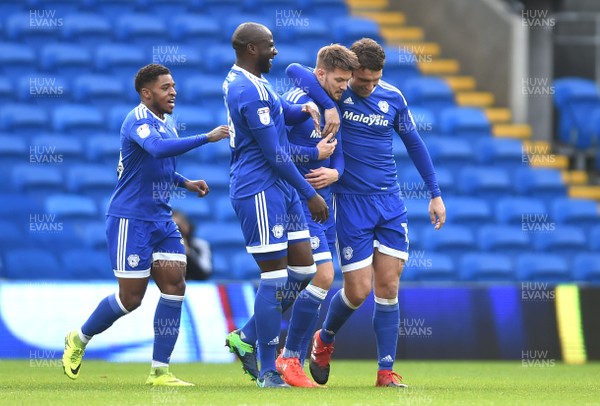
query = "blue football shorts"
x=271 y=218
x=322 y=235
x=134 y=244
x=366 y=222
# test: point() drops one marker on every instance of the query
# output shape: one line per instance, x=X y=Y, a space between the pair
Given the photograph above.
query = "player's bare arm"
x=200 y=187
x=437 y=212
x=322 y=177
x=332 y=121
x=318 y=208
x=312 y=109
x=218 y=133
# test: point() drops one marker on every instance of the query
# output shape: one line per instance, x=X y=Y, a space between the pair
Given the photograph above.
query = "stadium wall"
x=532 y=322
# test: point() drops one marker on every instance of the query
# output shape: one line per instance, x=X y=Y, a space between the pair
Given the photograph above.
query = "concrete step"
x=401 y=34
x=364 y=5
x=439 y=67
x=498 y=114
x=461 y=83
x=575 y=177
x=585 y=192
x=385 y=18
x=520 y=131
x=475 y=99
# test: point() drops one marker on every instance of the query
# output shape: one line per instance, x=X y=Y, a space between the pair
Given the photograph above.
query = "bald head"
x=249 y=33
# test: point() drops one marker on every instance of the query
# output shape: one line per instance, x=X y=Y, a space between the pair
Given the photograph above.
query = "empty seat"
x=242 y=267
x=219 y=59
x=116 y=116
x=582 y=213
x=196 y=209
x=218 y=9
x=425 y=121
x=141 y=29
x=12 y=235
x=198 y=30
x=183 y=60
x=203 y=89
x=94 y=181
x=66 y=59
x=287 y=54
x=86 y=264
x=223 y=210
x=90 y=29
x=311 y=36
x=216 y=177
x=104 y=149
x=13 y=151
x=450 y=152
x=23 y=118
x=31 y=263
x=503 y=239
x=400 y=66
x=468 y=211
x=347 y=29
x=110 y=8
x=71 y=207
x=120 y=59
x=486 y=182
x=99 y=90
x=6 y=88
x=563 y=240
x=43 y=89
x=93 y=235
x=430 y=92
x=37 y=179
x=467 y=122
x=506 y=153
x=547 y=268
x=522 y=211
x=586 y=267
x=77 y=118
x=164 y=7
x=594 y=239
x=225 y=238
x=486 y=267
x=327 y=7
x=429 y=267
x=35 y=28
x=418 y=213
x=56 y=149
x=193 y=120
x=543 y=183
x=454 y=240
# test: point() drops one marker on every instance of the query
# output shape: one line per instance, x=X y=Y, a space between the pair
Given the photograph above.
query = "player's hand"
x=325 y=147
x=332 y=121
x=322 y=177
x=318 y=208
x=312 y=109
x=197 y=186
x=218 y=133
x=437 y=212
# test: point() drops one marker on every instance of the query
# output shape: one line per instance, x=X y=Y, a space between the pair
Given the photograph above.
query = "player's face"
x=266 y=51
x=162 y=95
x=364 y=80
x=334 y=82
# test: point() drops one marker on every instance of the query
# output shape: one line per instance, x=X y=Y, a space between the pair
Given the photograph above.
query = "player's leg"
x=391 y=242
x=354 y=224
x=168 y=271
x=130 y=258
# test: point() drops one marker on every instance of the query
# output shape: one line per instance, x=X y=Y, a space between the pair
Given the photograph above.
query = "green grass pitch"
x=23 y=382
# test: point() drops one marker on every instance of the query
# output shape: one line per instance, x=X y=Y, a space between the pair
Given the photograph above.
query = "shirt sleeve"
x=304 y=77
x=146 y=136
x=337 y=158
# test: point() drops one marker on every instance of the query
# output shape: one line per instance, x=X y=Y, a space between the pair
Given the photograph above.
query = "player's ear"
x=145 y=93
x=251 y=48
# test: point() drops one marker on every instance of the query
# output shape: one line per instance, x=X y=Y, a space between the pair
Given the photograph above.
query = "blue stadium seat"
x=325 y=7
x=12 y=234
x=219 y=59
x=111 y=8
x=214 y=152
x=485 y=181
x=193 y=120
x=400 y=66
x=451 y=152
x=582 y=213
x=311 y=36
x=223 y=211
x=182 y=60
x=116 y=115
x=225 y=238
x=425 y=121
x=206 y=90
x=546 y=268
x=287 y=54
x=18 y=206
x=418 y=214
x=43 y=89
x=121 y=60
x=429 y=267
x=8 y=7
x=543 y=183
x=243 y=267
x=347 y=29
x=455 y=240
x=576 y=100
x=586 y=267
x=27 y=264
x=412 y=185
x=89 y=29
x=16 y=59
x=564 y=240
x=430 y=92
x=86 y=264
x=164 y=7
x=216 y=177
x=95 y=181
x=198 y=30
x=71 y=207
x=141 y=29
x=66 y=59
x=468 y=211
x=6 y=88
x=522 y=211
x=98 y=90
x=77 y=118
x=37 y=179
x=500 y=152
x=23 y=118
x=467 y=122
x=486 y=267
x=13 y=151
x=198 y=210
x=221 y=267
x=503 y=239
x=218 y=9
x=93 y=235
x=62 y=7
x=594 y=239
x=55 y=149
x=34 y=28
x=104 y=149
x=233 y=20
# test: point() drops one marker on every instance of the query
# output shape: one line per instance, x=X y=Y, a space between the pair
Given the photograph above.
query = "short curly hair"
x=149 y=74
x=370 y=54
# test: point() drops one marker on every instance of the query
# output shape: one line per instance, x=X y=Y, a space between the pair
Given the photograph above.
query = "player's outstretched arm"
x=307 y=81
x=218 y=133
x=437 y=212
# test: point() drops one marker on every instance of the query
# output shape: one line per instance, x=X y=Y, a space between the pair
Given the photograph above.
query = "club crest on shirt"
x=383 y=106
x=348 y=253
x=277 y=230
x=314 y=242
x=143 y=131
x=133 y=260
x=263 y=115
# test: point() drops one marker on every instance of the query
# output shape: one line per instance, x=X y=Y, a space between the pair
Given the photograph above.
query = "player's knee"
x=175 y=288
x=131 y=302
x=357 y=293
